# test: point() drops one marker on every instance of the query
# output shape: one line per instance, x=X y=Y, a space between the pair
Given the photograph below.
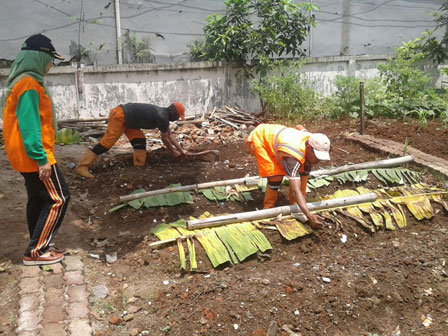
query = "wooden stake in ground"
x=361 y=101
x=274 y=212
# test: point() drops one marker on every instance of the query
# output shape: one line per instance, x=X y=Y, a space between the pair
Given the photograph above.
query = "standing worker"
x=129 y=119
x=291 y=152
x=29 y=127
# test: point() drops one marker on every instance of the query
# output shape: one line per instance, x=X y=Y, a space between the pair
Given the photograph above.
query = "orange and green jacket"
x=28 y=128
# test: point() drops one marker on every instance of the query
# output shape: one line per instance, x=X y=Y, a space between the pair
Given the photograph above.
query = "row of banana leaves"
x=235 y=242
x=387 y=176
x=241 y=193
x=238 y=192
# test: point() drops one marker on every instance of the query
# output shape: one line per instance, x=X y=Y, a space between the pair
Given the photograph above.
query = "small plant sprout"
x=405 y=148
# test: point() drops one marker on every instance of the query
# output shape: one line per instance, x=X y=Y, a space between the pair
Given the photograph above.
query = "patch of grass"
x=123 y=299
x=12 y=320
x=166 y=329
x=405 y=148
x=107 y=306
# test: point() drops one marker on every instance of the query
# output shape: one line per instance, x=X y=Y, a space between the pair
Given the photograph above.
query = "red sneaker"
x=49 y=257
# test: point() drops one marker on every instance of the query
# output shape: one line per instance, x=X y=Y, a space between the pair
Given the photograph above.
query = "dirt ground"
x=387 y=283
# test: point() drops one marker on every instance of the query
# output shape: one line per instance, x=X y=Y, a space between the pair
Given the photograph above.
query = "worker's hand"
x=44 y=172
x=178 y=154
x=316 y=222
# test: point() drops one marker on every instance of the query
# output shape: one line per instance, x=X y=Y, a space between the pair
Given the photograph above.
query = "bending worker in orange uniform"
x=291 y=152
x=129 y=119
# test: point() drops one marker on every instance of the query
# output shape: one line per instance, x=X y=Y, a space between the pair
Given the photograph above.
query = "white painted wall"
x=90 y=92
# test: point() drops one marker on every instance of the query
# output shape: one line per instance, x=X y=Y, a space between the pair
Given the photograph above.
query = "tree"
x=253 y=31
x=438 y=50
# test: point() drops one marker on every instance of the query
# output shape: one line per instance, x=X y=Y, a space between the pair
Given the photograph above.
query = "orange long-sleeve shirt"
x=28 y=128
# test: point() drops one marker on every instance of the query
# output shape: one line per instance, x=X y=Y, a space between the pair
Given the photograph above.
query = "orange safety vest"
x=271 y=139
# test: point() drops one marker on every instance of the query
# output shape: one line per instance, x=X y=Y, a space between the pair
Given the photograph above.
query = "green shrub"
x=287 y=93
x=402 y=75
x=67 y=136
x=346 y=100
x=408 y=94
x=401 y=90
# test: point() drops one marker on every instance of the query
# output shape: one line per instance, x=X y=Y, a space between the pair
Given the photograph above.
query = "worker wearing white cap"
x=292 y=152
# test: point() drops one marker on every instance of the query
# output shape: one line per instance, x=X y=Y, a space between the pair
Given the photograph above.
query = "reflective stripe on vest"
x=299 y=153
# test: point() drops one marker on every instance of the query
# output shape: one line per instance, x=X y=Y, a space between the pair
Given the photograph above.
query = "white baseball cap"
x=321 y=145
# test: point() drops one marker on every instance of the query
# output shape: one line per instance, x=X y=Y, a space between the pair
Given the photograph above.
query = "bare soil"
x=387 y=283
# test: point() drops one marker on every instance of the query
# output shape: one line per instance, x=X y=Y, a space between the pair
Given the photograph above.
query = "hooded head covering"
x=30 y=63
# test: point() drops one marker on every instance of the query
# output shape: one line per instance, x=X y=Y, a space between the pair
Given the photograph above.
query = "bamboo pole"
x=364 y=165
x=251 y=180
x=63 y=121
x=227 y=122
x=274 y=212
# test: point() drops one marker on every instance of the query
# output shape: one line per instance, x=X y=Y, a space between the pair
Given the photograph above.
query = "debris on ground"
x=217 y=126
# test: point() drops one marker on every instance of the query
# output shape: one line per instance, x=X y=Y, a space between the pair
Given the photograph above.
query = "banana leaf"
x=183 y=262
x=291 y=229
x=379 y=176
x=255 y=236
x=170 y=199
x=192 y=254
x=214 y=248
x=137 y=204
x=236 y=241
x=318 y=183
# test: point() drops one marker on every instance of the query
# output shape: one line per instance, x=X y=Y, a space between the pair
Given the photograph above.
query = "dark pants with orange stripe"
x=45 y=210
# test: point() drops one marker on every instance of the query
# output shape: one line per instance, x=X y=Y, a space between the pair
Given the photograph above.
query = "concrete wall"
x=90 y=92
x=322 y=71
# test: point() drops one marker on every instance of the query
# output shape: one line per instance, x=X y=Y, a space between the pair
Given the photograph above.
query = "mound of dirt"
x=386 y=283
